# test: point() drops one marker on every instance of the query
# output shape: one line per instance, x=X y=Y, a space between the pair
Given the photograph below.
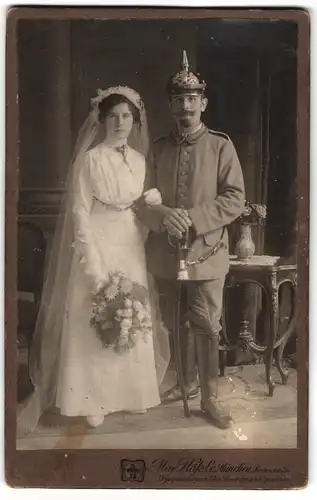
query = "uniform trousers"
x=200 y=315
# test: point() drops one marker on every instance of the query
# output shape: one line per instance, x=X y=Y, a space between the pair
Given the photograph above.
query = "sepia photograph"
x=157 y=235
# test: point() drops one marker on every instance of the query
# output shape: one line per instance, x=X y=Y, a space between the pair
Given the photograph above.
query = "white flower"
x=122 y=341
x=153 y=197
x=124 y=331
x=126 y=286
x=116 y=277
x=128 y=303
x=148 y=317
x=126 y=323
x=128 y=313
x=119 y=314
x=147 y=323
x=140 y=315
x=112 y=292
x=137 y=305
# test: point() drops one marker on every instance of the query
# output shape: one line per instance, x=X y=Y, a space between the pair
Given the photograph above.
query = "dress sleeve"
x=82 y=205
x=151 y=216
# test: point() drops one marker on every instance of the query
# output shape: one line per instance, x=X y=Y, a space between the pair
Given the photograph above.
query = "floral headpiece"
x=130 y=94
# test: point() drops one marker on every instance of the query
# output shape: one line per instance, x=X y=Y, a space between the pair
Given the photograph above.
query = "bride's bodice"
x=116 y=180
x=105 y=175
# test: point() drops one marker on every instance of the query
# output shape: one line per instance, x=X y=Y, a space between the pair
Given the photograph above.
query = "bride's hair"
x=112 y=100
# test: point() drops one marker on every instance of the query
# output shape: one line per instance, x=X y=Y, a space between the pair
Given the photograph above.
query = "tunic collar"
x=179 y=138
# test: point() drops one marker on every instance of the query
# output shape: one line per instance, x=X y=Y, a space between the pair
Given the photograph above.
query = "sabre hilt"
x=183 y=250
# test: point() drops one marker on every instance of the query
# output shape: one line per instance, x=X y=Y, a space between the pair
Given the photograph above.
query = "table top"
x=260 y=261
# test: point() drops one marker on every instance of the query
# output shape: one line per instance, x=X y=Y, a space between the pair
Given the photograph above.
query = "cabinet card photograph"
x=157 y=205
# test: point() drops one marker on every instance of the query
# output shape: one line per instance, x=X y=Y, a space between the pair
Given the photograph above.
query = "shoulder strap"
x=221 y=134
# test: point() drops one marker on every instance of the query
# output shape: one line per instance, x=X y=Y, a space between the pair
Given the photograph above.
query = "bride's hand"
x=91 y=269
x=153 y=197
x=96 y=286
x=95 y=279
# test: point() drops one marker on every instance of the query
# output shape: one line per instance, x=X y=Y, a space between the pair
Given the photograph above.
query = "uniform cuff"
x=199 y=221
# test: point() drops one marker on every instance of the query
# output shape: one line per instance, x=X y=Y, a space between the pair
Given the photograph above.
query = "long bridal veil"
x=45 y=350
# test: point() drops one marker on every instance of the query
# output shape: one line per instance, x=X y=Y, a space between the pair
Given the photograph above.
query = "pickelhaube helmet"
x=185 y=81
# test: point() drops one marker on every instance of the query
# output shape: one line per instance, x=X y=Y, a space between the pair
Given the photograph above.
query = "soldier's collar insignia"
x=191 y=138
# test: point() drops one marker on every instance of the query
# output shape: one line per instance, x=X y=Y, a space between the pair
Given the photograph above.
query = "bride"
x=99 y=345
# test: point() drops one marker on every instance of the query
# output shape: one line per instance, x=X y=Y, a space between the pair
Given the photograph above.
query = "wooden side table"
x=269 y=273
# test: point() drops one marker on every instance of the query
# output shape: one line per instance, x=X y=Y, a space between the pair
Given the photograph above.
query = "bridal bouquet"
x=121 y=313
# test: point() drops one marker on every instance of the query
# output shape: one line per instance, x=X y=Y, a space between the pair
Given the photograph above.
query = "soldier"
x=198 y=174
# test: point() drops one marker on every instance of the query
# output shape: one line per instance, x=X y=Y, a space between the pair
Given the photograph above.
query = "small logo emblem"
x=132 y=470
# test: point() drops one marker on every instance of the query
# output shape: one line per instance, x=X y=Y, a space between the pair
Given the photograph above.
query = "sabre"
x=177 y=350
x=183 y=251
x=183 y=248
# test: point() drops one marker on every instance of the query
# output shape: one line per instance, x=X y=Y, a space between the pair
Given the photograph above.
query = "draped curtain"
x=252 y=97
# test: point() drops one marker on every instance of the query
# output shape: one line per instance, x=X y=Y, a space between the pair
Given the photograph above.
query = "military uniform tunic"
x=200 y=172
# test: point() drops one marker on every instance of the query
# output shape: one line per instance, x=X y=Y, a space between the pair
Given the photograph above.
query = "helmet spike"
x=185 y=65
x=185 y=81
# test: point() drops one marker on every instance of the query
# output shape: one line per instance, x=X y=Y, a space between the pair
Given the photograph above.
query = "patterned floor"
x=259 y=421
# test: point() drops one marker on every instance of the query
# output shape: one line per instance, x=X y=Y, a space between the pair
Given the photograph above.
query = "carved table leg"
x=279 y=358
x=272 y=332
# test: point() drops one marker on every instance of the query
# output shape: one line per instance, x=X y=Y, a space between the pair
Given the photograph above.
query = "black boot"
x=188 y=353
x=208 y=368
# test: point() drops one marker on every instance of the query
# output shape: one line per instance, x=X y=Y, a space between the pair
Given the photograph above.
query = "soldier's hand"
x=176 y=222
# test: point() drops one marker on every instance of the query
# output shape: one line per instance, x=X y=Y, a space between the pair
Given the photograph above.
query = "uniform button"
x=183 y=173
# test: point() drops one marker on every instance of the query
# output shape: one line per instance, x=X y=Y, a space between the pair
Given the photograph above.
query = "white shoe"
x=95 y=420
x=137 y=412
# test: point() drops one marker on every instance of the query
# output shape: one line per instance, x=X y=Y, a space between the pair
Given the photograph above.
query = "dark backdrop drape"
x=251 y=72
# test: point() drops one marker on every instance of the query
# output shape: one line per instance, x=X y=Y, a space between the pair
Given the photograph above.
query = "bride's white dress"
x=94 y=380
